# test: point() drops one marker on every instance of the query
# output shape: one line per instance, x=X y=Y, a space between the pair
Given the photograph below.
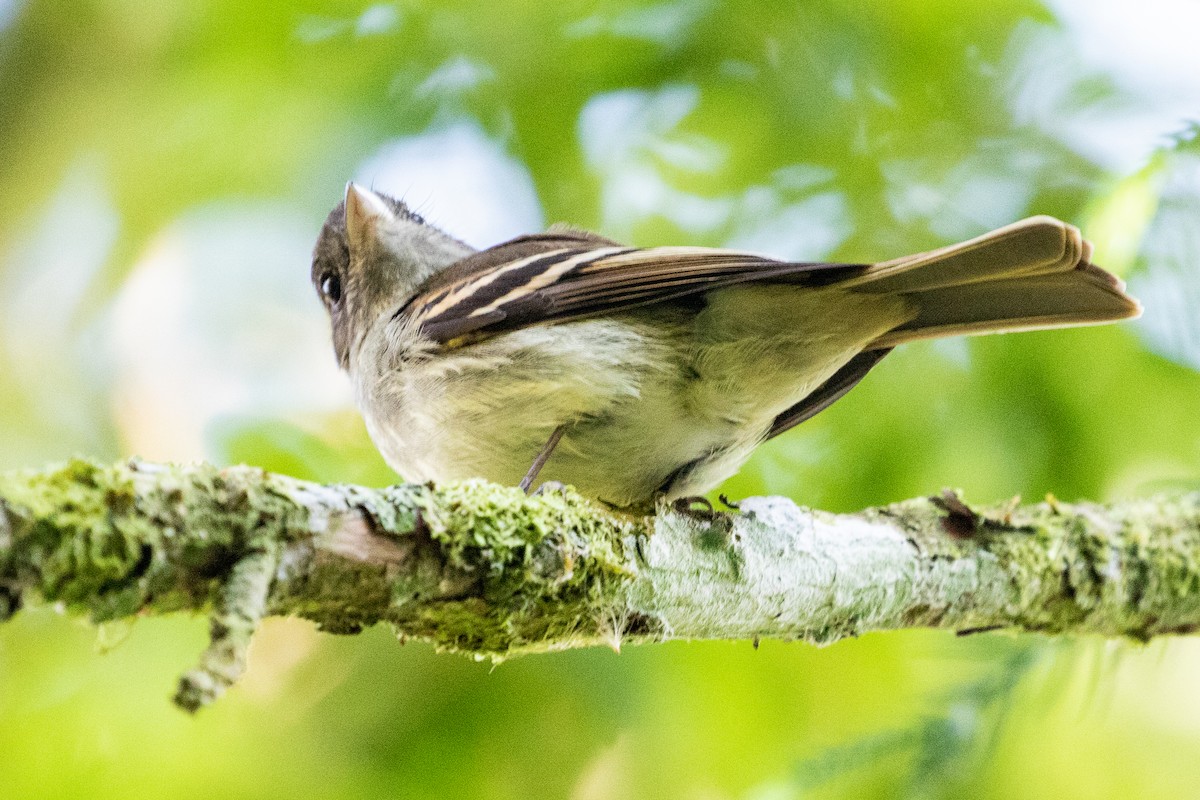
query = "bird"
x=640 y=375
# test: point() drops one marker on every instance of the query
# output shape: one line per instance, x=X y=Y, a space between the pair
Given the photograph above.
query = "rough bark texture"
x=485 y=570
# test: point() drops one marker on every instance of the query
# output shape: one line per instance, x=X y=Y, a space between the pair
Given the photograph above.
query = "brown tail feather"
x=1033 y=246
x=1031 y=274
x=1085 y=296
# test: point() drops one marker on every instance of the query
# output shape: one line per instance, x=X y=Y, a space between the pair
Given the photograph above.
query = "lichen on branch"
x=486 y=570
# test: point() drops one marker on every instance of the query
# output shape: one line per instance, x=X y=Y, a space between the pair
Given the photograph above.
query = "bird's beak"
x=364 y=210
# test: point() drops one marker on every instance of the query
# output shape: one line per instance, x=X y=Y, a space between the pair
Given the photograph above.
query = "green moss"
x=516 y=572
x=393 y=509
x=340 y=597
x=486 y=570
x=72 y=527
x=1077 y=568
x=491 y=570
x=114 y=540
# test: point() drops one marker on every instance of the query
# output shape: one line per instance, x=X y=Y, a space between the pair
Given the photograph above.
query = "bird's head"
x=372 y=255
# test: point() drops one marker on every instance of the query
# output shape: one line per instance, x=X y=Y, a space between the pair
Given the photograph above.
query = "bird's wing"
x=828 y=392
x=564 y=275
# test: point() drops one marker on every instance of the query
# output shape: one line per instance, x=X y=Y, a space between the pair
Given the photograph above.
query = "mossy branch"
x=485 y=570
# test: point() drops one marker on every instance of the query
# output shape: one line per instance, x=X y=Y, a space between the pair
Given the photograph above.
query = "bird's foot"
x=716 y=526
x=701 y=509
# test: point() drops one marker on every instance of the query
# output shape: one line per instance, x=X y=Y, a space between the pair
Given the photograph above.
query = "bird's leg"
x=541 y=459
x=695 y=507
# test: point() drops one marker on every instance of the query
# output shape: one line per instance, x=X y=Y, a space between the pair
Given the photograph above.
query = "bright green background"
x=164 y=168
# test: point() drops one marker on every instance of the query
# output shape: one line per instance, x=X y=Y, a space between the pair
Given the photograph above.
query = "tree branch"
x=485 y=570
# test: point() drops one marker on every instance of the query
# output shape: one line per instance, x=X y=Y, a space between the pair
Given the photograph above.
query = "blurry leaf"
x=1117 y=221
x=455 y=76
x=661 y=23
x=1187 y=139
x=952 y=746
x=945 y=749
x=340 y=453
x=374 y=20
x=1168 y=280
x=868 y=752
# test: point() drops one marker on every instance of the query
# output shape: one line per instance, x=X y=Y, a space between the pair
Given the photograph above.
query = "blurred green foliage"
x=166 y=167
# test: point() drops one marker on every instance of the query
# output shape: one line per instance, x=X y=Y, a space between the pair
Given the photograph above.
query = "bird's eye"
x=331 y=287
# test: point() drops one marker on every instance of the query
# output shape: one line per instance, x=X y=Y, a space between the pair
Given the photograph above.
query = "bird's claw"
x=695 y=507
x=717 y=524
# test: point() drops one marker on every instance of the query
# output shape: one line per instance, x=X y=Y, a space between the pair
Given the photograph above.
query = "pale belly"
x=651 y=401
